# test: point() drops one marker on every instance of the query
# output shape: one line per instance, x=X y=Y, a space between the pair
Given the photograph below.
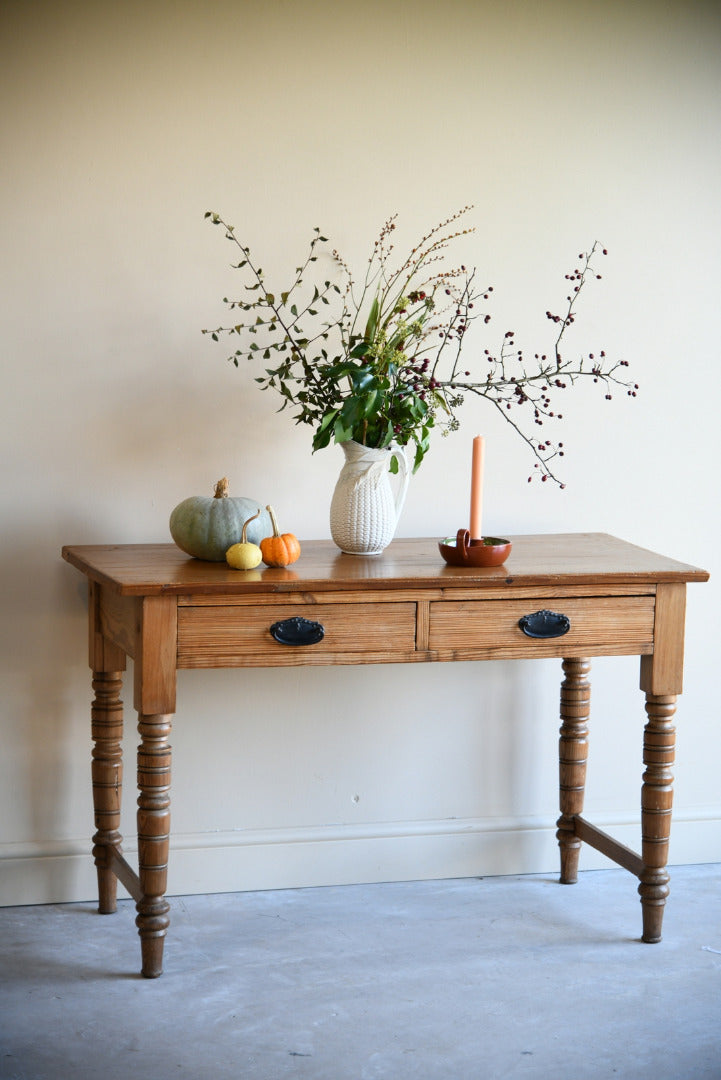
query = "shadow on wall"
x=107 y=468
x=143 y=450
x=46 y=693
x=520 y=730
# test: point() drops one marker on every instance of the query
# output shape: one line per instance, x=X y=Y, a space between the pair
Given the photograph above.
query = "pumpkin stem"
x=221 y=489
x=273 y=520
x=246 y=524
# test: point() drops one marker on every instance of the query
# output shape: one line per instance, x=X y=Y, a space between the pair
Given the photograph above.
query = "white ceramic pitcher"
x=364 y=511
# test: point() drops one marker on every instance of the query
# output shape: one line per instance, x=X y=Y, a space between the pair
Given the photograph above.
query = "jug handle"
x=404 y=476
x=463 y=542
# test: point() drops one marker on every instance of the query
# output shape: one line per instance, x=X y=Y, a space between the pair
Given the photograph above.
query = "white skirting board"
x=239 y=861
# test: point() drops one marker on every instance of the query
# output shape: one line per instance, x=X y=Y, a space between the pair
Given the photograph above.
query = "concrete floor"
x=479 y=979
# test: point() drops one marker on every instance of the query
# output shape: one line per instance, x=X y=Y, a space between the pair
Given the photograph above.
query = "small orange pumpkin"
x=279 y=550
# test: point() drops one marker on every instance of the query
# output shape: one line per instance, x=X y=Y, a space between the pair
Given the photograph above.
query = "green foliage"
x=380 y=363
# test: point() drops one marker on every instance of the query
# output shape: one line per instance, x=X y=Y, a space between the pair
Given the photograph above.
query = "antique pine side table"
x=570 y=596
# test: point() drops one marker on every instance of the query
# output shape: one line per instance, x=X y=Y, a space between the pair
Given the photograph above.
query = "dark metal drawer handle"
x=545 y=624
x=297 y=631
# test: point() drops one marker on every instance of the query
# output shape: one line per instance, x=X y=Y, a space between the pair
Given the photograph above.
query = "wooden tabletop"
x=544 y=559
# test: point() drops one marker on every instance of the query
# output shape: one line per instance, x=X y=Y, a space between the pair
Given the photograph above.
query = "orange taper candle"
x=479 y=450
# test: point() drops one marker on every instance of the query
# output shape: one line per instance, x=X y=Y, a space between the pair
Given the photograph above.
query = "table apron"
x=424 y=631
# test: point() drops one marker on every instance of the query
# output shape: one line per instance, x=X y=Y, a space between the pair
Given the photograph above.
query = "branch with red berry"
x=381 y=363
x=510 y=383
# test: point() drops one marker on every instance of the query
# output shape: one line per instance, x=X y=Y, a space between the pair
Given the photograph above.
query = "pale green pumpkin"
x=206 y=526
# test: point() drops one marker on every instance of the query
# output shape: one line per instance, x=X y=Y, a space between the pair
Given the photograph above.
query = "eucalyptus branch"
x=292 y=332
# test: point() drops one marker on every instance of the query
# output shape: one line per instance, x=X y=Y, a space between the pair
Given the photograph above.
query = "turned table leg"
x=659 y=744
x=572 y=756
x=662 y=682
x=155 y=685
x=107 y=776
x=152 y=920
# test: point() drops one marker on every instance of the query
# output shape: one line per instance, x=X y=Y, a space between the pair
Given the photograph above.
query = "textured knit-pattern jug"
x=364 y=512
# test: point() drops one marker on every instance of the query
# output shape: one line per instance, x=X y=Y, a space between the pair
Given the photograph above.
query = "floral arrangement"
x=380 y=361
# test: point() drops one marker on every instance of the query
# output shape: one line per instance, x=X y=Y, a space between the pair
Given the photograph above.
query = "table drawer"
x=477 y=629
x=240 y=636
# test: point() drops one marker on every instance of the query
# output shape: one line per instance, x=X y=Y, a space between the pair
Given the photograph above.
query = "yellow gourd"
x=244 y=556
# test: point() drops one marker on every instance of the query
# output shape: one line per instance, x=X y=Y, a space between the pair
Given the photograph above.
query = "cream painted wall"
x=562 y=123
